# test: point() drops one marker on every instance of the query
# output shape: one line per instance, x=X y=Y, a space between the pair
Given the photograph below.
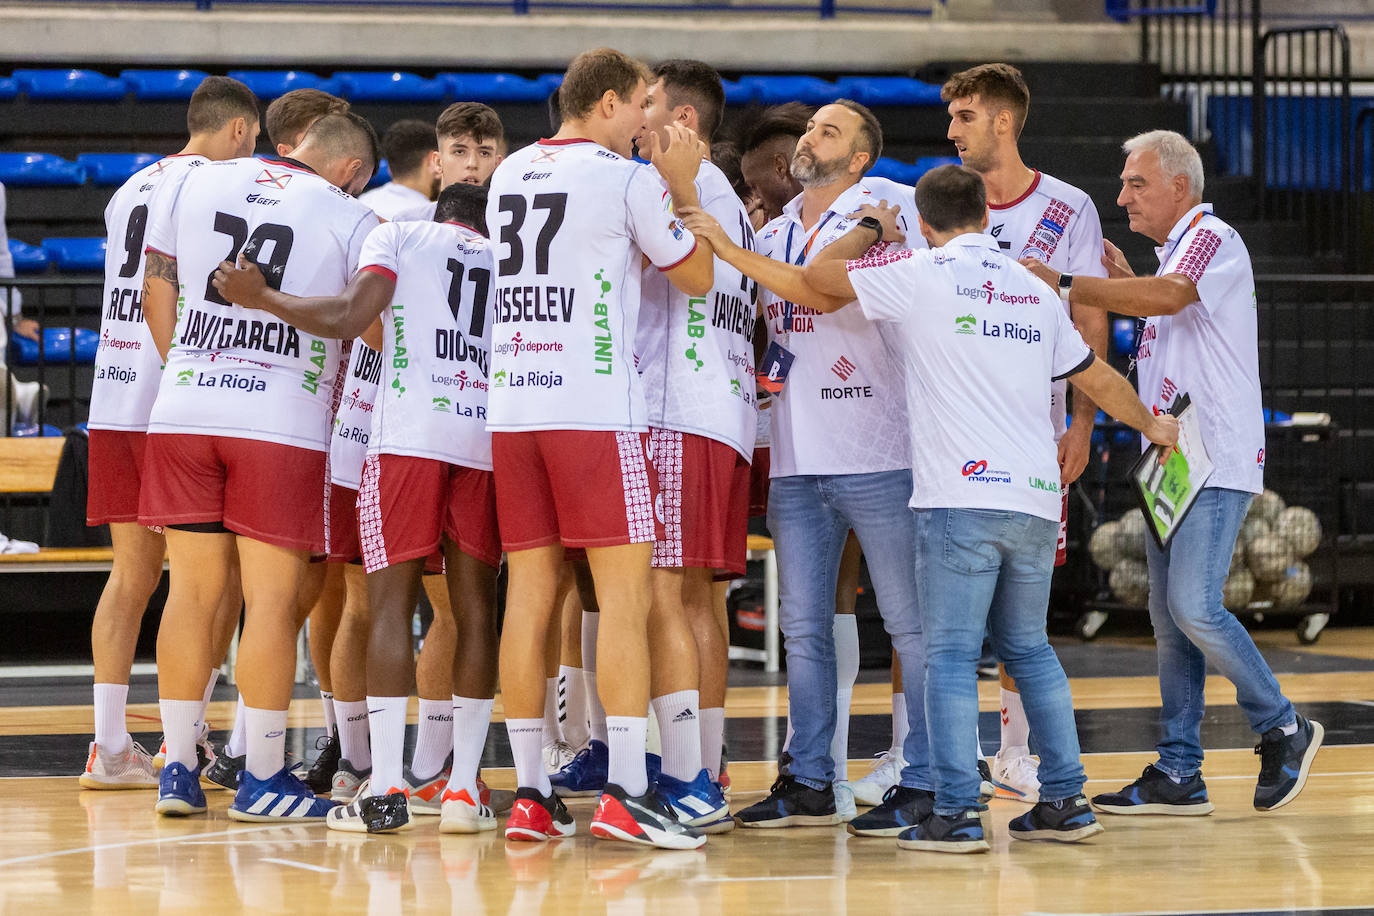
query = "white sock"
x=596 y=713
x=627 y=734
x=899 y=722
x=111 y=730
x=712 y=739
x=653 y=744
x=1291 y=728
x=574 y=723
x=331 y=721
x=353 y=734
x=237 y=745
x=209 y=692
x=679 y=733
x=527 y=747
x=386 y=725
x=433 y=738
x=179 y=730
x=839 y=742
x=1015 y=728
x=551 y=709
x=846 y=631
x=265 y=733
x=470 y=721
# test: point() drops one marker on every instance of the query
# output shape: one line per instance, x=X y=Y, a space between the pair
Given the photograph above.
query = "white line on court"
x=290 y=863
x=150 y=842
x=710 y=879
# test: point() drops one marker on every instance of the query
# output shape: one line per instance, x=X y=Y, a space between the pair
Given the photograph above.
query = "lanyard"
x=801 y=259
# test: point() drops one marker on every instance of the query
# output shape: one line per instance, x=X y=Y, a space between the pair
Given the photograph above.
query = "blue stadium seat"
x=1123 y=335
x=270 y=84
x=40 y=169
x=888 y=90
x=382 y=177
x=891 y=169
x=926 y=163
x=361 y=86
x=737 y=92
x=772 y=90
x=163 y=85
x=115 y=168
x=499 y=87
x=8 y=88
x=70 y=85
x=28 y=259
x=76 y=253
x=32 y=430
x=57 y=347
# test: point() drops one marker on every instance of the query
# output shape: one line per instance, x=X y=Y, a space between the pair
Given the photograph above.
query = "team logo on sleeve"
x=273 y=179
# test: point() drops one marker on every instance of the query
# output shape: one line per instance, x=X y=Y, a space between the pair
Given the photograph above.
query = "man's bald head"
x=343 y=148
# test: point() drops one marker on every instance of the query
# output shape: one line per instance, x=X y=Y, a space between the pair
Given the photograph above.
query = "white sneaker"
x=1016 y=775
x=844 y=801
x=205 y=749
x=557 y=755
x=368 y=813
x=8 y=545
x=886 y=773
x=462 y=815
x=131 y=768
x=347 y=781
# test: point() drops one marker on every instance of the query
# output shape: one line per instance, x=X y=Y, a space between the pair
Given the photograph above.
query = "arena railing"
x=824 y=9
x=66 y=374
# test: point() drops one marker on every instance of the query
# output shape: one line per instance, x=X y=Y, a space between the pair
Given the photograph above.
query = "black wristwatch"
x=1065 y=284
x=870 y=222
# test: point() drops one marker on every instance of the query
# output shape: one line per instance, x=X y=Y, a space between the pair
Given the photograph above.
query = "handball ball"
x=1133 y=535
x=1269 y=557
x=1294 y=587
x=1104 y=546
x=1254 y=528
x=1130 y=582
x=1238 y=590
x=1267 y=506
x=1299 y=527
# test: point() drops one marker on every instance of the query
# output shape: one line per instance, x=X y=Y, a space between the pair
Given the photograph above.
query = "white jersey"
x=353 y=419
x=981 y=338
x=696 y=353
x=393 y=198
x=843 y=408
x=127 y=365
x=571 y=221
x=437 y=353
x=422 y=212
x=1056 y=223
x=236 y=372
x=1210 y=349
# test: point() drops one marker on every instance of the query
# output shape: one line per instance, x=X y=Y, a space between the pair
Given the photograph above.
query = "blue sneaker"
x=1284 y=762
x=179 y=792
x=282 y=798
x=902 y=808
x=653 y=765
x=695 y=803
x=1067 y=820
x=961 y=833
x=586 y=775
x=1156 y=793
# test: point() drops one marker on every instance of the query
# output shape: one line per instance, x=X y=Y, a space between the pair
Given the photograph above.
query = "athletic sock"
x=237 y=745
x=899 y=722
x=111 y=729
x=471 y=718
x=596 y=713
x=265 y=734
x=551 y=709
x=1015 y=728
x=353 y=733
x=179 y=730
x=679 y=733
x=208 y=694
x=527 y=748
x=433 y=738
x=574 y=724
x=627 y=734
x=712 y=738
x=331 y=721
x=386 y=725
x=846 y=632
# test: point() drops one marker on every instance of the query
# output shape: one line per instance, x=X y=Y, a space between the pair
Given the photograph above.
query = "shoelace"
x=1270 y=755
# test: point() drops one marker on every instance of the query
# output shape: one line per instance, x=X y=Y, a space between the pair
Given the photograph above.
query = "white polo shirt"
x=392 y=199
x=980 y=339
x=1210 y=349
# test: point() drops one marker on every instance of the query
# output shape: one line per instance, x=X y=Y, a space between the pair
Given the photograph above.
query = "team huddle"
x=319 y=401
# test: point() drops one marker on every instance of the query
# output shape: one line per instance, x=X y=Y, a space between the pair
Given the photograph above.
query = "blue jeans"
x=983 y=571
x=1192 y=628
x=809 y=518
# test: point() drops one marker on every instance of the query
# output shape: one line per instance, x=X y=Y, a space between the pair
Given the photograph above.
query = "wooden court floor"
x=64 y=850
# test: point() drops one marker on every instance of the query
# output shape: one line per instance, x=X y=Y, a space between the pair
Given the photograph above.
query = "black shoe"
x=225 y=770
x=1067 y=820
x=986 y=787
x=902 y=808
x=784 y=764
x=791 y=804
x=1155 y=793
x=320 y=777
x=1284 y=762
x=960 y=833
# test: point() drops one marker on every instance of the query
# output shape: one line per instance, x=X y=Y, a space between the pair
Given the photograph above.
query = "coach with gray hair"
x=1200 y=338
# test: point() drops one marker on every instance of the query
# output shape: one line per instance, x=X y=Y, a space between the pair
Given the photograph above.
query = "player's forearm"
x=160 y=289
x=1092 y=325
x=1110 y=391
x=322 y=316
x=1139 y=297
x=848 y=247
x=784 y=280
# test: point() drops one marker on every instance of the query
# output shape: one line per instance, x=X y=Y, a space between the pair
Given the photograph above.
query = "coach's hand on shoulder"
x=1117 y=266
x=704 y=226
x=887 y=217
x=242 y=285
x=679 y=161
x=1041 y=270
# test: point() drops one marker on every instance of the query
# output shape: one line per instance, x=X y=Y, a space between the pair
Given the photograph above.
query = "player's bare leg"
x=323 y=626
x=434 y=684
x=392 y=593
x=711 y=630
x=531 y=599
x=553 y=734
x=674 y=675
x=348 y=675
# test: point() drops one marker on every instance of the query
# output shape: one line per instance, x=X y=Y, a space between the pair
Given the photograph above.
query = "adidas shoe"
x=347 y=780
x=282 y=797
x=643 y=819
x=586 y=775
x=557 y=755
x=694 y=803
x=1155 y=793
x=460 y=814
x=886 y=773
x=179 y=792
x=224 y=771
x=1067 y=821
x=844 y=801
x=368 y=813
x=535 y=817
x=1284 y=763
x=1016 y=775
x=320 y=776
x=902 y=808
x=426 y=795
x=791 y=804
x=130 y=768
x=498 y=800
x=958 y=833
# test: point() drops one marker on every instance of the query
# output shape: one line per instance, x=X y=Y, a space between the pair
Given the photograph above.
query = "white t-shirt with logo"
x=393 y=198
x=353 y=419
x=981 y=338
x=570 y=222
x=1210 y=349
x=245 y=373
x=843 y=407
x=1056 y=223
x=127 y=365
x=436 y=355
x=696 y=353
x=422 y=212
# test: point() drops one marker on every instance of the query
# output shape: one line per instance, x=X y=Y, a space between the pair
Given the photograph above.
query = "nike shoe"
x=179 y=792
x=1155 y=793
x=426 y=795
x=557 y=755
x=280 y=798
x=224 y=771
x=986 y=790
x=1284 y=763
x=205 y=750
x=460 y=814
x=1016 y=775
x=643 y=819
x=694 y=803
x=886 y=773
x=1067 y=821
x=368 y=813
x=844 y=801
x=958 y=833
x=586 y=775
x=320 y=776
x=536 y=818
x=791 y=804
x=902 y=808
x=498 y=800
x=130 y=768
x=347 y=780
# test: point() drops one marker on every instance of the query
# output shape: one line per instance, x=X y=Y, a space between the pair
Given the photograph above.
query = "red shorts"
x=1061 y=546
x=261 y=490
x=703 y=502
x=758 y=482
x=585 y=488
x=407 y=505
x=342 y=518
x=114 y=473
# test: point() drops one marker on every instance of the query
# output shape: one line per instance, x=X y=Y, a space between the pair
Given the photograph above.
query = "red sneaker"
x=642 y=819
x=536 y=817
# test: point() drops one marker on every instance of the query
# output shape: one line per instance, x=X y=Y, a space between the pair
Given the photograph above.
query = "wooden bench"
x=30 y=466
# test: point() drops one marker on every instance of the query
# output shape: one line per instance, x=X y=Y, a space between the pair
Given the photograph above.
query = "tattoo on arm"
x=160 y=266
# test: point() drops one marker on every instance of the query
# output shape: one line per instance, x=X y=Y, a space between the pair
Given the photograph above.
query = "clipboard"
x=1167 y=491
